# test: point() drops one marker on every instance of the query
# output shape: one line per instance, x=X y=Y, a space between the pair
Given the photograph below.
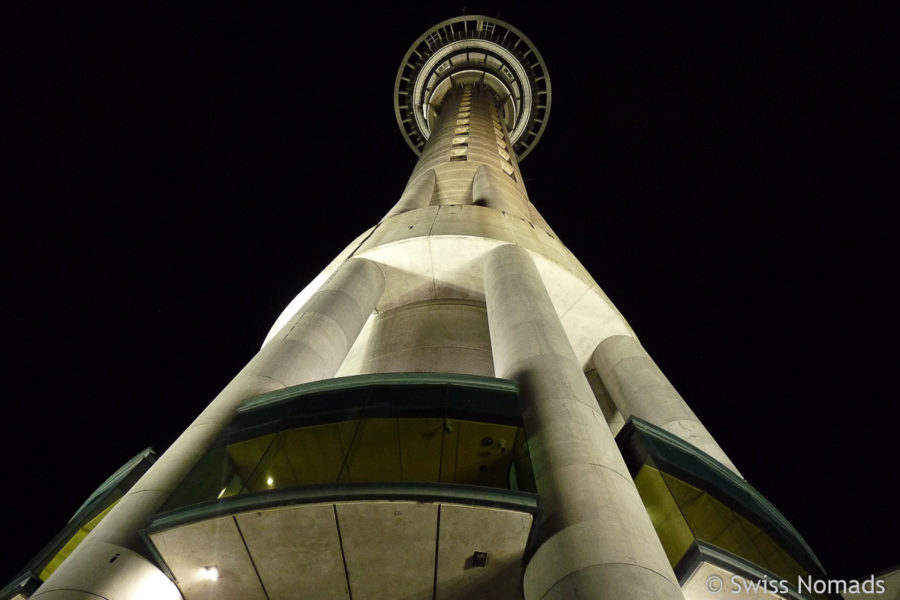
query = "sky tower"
x=452 y=409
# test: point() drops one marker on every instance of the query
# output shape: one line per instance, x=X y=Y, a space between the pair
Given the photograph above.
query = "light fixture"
x=210 y=573
x=270 y=481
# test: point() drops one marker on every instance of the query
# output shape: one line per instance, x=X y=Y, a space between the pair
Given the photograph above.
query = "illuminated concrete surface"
x=365 y=549
x=462 y=276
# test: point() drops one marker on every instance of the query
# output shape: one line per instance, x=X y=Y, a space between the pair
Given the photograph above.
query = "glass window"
x=433 y=428
x=433 y=449
x=681 y=513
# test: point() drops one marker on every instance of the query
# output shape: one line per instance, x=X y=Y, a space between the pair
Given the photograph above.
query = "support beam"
x=310 y=347
x=488 y=191
x=640 y=389
x=596 y=539
x=418 y=194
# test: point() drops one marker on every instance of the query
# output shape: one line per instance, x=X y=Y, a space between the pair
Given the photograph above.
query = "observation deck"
x=468 y=49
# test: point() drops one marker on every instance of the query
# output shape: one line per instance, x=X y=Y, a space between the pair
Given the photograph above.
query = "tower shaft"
x=441 y=410
x=468 y=158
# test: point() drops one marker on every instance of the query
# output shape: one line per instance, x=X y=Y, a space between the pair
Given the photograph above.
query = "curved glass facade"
x=405 y=427
x=696 y=504
x=89 y=514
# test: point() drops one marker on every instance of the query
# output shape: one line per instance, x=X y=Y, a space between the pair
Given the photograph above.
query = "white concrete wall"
x=438 y=336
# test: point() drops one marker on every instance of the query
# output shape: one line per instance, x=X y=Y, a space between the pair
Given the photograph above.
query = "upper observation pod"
x=468 y=49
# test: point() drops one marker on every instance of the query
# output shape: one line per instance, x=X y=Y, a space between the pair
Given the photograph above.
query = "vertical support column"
x=639 y=388
x=418 y=194
x=596 y=539
x=310 y=347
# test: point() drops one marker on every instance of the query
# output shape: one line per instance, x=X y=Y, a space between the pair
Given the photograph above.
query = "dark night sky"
x=178 y=175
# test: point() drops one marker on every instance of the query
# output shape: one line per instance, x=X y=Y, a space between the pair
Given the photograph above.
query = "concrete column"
x=418 y=194
x=640 y=389
x=596 y=540
x=310 y=347
x=488 y=190
x=614 y=418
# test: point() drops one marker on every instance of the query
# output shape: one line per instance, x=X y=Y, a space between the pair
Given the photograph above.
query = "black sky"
x=177 y=175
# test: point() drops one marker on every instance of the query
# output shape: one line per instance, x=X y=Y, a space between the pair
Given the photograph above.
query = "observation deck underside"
x=473 y=49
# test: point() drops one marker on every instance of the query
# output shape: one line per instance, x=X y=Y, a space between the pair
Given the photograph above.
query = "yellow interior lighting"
x=73 y=542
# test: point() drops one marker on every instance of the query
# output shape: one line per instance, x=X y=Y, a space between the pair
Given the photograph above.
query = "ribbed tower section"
x=451 y=409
